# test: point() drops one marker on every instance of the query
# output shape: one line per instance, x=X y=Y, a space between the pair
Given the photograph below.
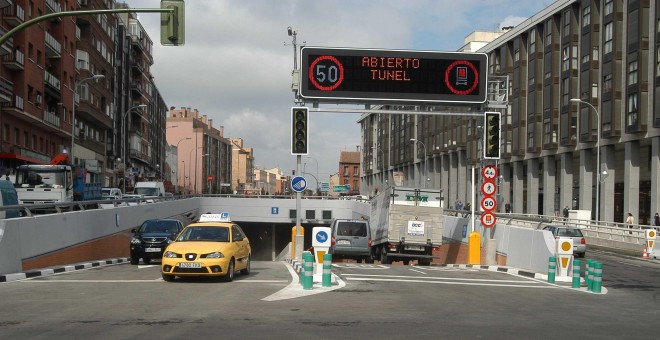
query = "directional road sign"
x=298 y=184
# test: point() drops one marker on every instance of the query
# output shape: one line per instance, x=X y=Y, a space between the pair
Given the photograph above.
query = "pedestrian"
x=566 y=212
x=507 y=207
x=630 y=221
x=656 y=220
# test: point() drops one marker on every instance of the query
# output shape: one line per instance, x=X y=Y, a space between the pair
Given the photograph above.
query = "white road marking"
x=376 y=277
x=360 y=266
x=295 y=290
x=418 y=271
x=263 y=281
x=142 y=266
x=94 y=281
x=454 y=283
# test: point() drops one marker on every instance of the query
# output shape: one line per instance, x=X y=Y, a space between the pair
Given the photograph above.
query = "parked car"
x=152 y=237
x=111 y=193
x=579 y=241
x=214 y=246
x=351 y=239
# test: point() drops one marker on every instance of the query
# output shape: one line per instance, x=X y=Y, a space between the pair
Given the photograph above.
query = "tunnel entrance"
x=268 y=240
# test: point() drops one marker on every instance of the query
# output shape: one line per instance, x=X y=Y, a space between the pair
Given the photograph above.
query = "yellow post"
x=474 y=248
x=293 y=240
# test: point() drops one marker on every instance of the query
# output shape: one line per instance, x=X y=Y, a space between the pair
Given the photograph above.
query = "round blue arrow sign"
x=322 y=236
x=298 y=184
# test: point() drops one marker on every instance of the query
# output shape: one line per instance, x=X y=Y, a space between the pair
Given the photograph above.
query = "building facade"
x=349 y=171
x=578 y=86
x=204 y=154
x=242 y=167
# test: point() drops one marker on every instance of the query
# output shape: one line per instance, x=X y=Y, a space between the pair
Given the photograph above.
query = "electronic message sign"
x=338 y=74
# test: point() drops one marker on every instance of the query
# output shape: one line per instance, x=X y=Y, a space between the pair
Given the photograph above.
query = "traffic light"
x=172 y=24
x=299 y=131
x=492 y=128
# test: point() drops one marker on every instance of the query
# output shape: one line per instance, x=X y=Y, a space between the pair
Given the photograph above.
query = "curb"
x=508 y=270
x=63 y=269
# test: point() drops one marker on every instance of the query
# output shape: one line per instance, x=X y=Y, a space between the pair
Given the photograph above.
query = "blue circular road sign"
x=321 y=236
x=298 y=184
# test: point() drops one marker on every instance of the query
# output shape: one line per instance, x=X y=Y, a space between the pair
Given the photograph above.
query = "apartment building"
x=204 y=154
x=580 y=83
x=349 y=170
x=242 y=166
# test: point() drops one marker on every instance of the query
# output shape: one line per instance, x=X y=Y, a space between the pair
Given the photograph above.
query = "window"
x=516 y=55
x=565 y=59
x=657 y=61
x=5 y=133
x=532 y=41
x=609 y=7
x=567 y=22
x=548 y=33
x=356 y=172
x=631 y=117
x=26 y=139
x=564 y=91
x=607 y=48
x=586 y=16
x=607 y=83
x=632 y=72
x=345 y=171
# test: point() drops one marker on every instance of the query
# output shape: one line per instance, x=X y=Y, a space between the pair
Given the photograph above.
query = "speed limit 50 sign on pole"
x=488 y=202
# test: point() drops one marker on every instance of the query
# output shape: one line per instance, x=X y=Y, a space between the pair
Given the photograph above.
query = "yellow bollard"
x=293 y=240
x=474 y=248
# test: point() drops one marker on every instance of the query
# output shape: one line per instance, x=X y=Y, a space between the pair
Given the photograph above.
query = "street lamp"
x=124 y=139
x=184 y=176
x=95 y=77
x=382 y=175
x=204 y=155
x=425 y=170
x=598 y=174
x=317 y=173
x=190 y=163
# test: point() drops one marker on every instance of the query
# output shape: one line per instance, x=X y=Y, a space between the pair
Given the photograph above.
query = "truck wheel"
x=424 y=262
x=384 y=258
x=406 y=262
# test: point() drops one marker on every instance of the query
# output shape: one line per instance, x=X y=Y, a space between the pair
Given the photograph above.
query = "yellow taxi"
x=213 y=246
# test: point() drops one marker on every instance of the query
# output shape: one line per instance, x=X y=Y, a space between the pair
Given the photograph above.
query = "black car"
x=152 y=237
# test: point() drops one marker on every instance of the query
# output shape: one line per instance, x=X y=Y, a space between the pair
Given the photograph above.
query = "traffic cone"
x=645 y=254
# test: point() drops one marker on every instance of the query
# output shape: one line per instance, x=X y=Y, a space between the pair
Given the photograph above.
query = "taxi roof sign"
x=221 y=217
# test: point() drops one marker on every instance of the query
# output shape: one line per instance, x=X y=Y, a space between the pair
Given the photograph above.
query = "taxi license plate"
x=190 y=265
x=343 y=242
x=152 y=250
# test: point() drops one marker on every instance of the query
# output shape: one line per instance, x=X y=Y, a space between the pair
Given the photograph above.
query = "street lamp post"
x=382 y=175
x=184 y=176
x=317 y=172
x=202 y=157
x=598 y=175
x=177 y=157
x=190 y=164
x=425 y=168
x=95 y=77
x=124 y=139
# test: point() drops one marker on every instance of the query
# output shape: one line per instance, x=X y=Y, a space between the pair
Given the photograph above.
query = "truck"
x=55 y=182
x=406 y=224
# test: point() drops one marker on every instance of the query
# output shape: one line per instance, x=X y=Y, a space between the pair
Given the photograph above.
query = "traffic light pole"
x=49 y=16
x=299 y=238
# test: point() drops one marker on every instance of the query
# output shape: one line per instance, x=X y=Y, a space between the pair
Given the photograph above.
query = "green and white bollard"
x=327 y=270
x=576 y=273
x=552 y=269
x=590 y=274
x=308 y=270
x=598 y=278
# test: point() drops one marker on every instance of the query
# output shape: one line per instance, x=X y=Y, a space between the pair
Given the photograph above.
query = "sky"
x=236 y=63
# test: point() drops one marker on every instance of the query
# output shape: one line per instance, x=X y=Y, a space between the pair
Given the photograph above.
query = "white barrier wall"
x=26 y=237
x=524 y=248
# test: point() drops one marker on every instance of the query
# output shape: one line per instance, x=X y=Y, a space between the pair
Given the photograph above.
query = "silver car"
x=579 y=241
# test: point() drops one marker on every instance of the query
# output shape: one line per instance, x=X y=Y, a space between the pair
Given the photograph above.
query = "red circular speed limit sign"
x=488 y=188
x=488 y=219
x=488 y=204
x=489 y=172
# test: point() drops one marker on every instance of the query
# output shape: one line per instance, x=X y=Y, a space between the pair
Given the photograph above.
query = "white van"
x=149 y=189
x=111 y=193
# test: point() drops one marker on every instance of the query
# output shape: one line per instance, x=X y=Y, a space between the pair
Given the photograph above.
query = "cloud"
x=236 y=64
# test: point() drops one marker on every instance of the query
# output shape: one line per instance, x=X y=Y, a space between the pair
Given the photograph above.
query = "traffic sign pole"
x=299 y=238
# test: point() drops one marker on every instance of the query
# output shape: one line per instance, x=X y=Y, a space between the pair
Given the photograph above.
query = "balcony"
x=53 y=47
x=52 y=81
x=137 y=87
x=6 y=90
x=5 y=3
x=52 y=118
x=15 y=105
x=14 y=15
x=53 y=6
x=14 y=60
x=8 y=46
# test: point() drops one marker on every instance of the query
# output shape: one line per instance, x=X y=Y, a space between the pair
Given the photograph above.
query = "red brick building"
x=349 y=170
